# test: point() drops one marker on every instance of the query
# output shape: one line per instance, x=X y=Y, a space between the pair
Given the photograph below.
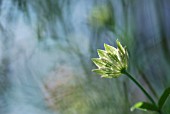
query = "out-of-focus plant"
x=113 y=62
x=62 y=94
x=101 y=16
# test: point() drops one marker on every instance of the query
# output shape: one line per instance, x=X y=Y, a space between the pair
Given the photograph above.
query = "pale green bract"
x=112 y=61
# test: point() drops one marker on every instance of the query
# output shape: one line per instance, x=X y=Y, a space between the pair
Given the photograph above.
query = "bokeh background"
x=46 y=48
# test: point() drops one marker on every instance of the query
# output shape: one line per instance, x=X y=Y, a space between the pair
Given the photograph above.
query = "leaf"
x=144 y=106
x=163 y=98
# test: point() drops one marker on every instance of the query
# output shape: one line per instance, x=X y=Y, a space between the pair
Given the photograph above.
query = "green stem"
x=139 y=85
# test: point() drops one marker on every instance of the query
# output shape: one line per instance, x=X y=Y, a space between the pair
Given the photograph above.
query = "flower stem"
x=139 y=85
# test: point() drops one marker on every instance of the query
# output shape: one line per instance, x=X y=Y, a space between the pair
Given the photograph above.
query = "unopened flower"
x=112 y=61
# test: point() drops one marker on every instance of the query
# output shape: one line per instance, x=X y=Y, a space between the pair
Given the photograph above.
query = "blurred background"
x=46 y=48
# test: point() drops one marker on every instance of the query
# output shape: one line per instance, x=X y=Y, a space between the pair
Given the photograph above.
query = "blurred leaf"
x=163 y=98
x=144 y=106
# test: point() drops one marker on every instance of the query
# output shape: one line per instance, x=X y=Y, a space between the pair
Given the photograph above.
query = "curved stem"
x=139 y=85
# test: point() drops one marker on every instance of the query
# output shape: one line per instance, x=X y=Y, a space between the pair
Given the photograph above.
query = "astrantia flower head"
x=112 y=61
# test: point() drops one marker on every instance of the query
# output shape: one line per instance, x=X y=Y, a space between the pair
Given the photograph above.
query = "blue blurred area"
x=46 y=48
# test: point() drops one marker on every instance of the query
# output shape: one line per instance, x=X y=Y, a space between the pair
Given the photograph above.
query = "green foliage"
x=144 y=106
x=163 y=98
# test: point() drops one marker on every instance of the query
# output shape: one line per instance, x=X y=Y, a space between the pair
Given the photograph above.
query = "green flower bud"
x=112 y=61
